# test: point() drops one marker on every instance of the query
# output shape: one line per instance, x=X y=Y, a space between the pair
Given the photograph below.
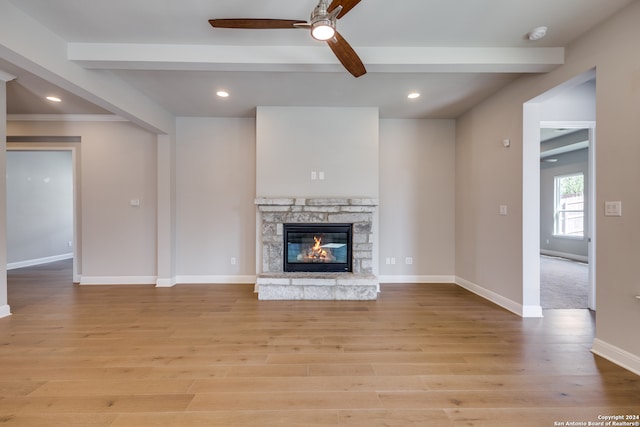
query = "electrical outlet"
x=393 y=260
x=314 y=175
x=408 y=260
x=233 y=261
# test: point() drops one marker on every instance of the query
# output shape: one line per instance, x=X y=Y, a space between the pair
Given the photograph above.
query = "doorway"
x=42 y=205
x=566 y=214
x=569 y=105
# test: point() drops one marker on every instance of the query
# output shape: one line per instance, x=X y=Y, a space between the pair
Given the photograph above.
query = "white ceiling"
x=454 y=52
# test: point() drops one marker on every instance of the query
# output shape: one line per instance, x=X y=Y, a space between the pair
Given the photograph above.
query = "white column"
x=4 y=303
x=166 y=232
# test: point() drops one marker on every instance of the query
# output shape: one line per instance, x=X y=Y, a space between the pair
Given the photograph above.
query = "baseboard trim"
x=616 y=355
x=216 y=280
x=5 y=311
x=415 y=279
x=38 y=261
x=506 y=303
x=566 y=255
x=166 y=283
x=118 y=280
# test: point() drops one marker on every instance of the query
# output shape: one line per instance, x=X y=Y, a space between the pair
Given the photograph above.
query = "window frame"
x=557 y=211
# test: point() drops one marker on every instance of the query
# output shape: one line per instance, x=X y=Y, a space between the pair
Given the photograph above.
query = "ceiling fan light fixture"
x=323 y=23
x=322 y=29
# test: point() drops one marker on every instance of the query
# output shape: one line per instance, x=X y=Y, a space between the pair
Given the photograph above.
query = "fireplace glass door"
x=317 y=247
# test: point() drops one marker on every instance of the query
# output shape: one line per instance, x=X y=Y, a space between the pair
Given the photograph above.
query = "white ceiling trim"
x=64 y=118
x=6 y=77
x=311 y=58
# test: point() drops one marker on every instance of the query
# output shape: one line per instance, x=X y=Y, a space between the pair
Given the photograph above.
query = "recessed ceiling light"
x=222 y=94
x=537 y=33
x=413 y=95
x=54 y=99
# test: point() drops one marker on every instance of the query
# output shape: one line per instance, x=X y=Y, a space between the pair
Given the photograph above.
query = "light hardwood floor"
x=198 y=355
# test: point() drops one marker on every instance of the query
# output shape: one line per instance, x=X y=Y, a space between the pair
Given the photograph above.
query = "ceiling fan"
x=322 y=25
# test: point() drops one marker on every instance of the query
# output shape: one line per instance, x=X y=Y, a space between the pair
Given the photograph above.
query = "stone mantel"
x=316 y=201
x=273 y=283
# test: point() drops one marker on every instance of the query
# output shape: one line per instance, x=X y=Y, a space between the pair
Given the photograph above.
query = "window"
x=569 y=205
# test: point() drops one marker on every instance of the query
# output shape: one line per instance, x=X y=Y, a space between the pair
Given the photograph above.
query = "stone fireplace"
x=359 y=283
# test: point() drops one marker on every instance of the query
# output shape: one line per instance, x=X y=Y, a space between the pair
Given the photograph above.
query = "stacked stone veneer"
x=274 y=283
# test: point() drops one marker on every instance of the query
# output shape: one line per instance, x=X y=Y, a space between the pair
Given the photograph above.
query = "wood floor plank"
x=313 y=418
x=395 y=418
x=53 y=419
x=197 y=355
x=277 y=400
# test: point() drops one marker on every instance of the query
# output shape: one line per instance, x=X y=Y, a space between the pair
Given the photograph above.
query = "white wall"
x=216 y=188
x=341 y=142
x=215 y=194
x=417 y=200
x=39 y=206
x=489 y=246
x=572 y=104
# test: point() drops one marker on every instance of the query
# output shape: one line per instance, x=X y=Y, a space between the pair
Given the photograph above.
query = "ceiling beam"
x=312 y=58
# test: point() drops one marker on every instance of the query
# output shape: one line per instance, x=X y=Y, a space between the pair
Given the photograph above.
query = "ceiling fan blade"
x=346 y=55
x=256 y=24
x=347 y=5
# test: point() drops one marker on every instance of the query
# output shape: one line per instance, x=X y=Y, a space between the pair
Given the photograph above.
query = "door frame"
x=531 y=121
x=591 y=203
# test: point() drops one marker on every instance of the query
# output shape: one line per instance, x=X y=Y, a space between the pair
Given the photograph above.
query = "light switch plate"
x=613 y=208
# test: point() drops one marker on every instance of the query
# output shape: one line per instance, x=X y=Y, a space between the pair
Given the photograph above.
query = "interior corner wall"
x=489 y=245
x=293 y=142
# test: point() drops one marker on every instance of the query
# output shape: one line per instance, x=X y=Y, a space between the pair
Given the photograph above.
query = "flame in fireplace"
x=317 y=249
x=317 y=254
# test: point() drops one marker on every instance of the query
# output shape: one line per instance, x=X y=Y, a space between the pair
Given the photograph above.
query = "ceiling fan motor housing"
x=323 y=23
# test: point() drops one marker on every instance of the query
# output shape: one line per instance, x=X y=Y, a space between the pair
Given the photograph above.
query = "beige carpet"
x=563 y=283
